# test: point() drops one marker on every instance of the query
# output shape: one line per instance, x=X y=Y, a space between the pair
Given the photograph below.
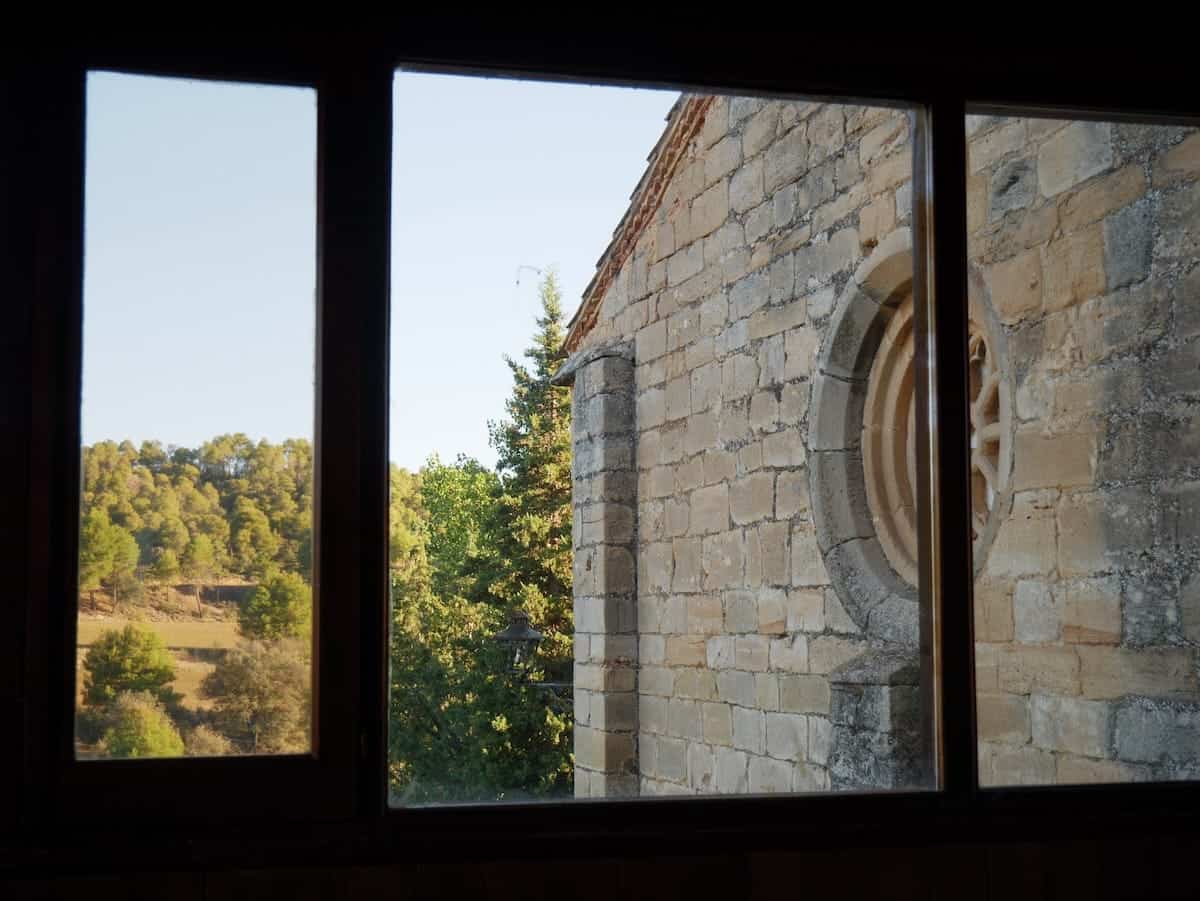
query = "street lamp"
x=520 y=638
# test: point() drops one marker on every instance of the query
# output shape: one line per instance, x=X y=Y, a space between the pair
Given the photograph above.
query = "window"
x=347 y=771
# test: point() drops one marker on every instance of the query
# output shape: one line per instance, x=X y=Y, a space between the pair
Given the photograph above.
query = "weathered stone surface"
x=1071 y=724
x=1076 y=153
x=804 y=694
x=1037 y=612
x=1164 y=672
x=1073 y=269
x=1015 y=286
x=1150 y=731
x=1092 y=612
x=1003 y=718
x=1044 y=669
x=1013 y=186
x=1128 y=241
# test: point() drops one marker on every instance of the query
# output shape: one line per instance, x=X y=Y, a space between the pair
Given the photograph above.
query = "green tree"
x=262 y=698
x=530 y=530
x=463 y=727
x=140 y=727
x=166 y=566
x=131 y=659
x=199 y=563
x=281 y=607
x=458 y=499
x=205 y=742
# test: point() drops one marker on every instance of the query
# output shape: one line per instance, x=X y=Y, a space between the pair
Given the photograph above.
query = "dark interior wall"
x=1084 y=852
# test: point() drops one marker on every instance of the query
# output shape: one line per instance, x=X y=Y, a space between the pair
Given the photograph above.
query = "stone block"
x=772 y=612
x=836 y=416
x=840 y=507
x=656 y=680
x=993 y=611
x=1037 y=612
x=1071 y=725
x=807 y=566
x=696 y=684
x=683 y=719
x=739 y=376
x=764 y=411
x=652 y=714
x=1015 y=286
x=786 y=159
x=1128 y=241
x=751 y=652
x=752 y=498
x=1162 y=672
x=1150 y=608
x=1092 y=612
x=719 y=466
x=776 y=554
x=804 y=694
x=1095 y=201
x=736 y=687
x=787 y=736
x=1042 y=669
x=1150 y=731
x=709 y=210
x=1013 y=186
x=672 y=759
x=749 y=730
x=1010 y=765
x=701 y=769
x=1003 y=718
x=687 y=650
x=704 y=614
x=710 y=509
x=719 y=653
x=1181 y=161
x=1025 y=544
x=828 y=652
x=785 y=448
x=741 y=611
x=775 y=319
x=652 y=405
x=769 y=776
x=789 y=654
x=1073 y=269
x=686 y=576
x=1078 y=152
x=717 y=723
x=706 y=392
x=766 y=691
x=1054 y=461
x=723 y=558
x=731 y=775
x=805 y=610
x=1178 y=236
x=989 y=148
x=791 y=494
x=746 y=186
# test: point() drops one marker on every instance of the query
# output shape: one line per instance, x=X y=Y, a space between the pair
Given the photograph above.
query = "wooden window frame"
x=344 y=784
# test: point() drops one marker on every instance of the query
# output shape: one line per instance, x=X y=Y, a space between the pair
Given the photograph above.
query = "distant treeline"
x=228 y=507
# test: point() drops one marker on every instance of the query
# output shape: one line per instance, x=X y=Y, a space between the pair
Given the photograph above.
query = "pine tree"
x=531 y=527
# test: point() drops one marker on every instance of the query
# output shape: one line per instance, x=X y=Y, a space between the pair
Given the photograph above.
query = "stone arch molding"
x=879 y=601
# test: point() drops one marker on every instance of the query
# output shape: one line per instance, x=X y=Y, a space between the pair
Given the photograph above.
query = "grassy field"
x=185 y=634
x=179 y=637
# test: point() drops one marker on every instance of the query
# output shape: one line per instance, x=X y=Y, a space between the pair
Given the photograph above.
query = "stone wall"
x=764 y=663
x=1086 y=619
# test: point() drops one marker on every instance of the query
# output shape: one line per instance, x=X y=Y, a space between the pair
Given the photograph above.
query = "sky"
x=199 y=248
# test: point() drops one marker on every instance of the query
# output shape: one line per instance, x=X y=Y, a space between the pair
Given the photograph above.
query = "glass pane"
x=195 y=555
x=645 y=539
x=1085 y=306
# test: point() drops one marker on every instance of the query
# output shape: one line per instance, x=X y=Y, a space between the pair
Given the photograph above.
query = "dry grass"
x=201 y=634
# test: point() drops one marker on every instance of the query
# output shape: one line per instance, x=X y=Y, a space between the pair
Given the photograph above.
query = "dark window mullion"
x=940 y=208
x=353 y=209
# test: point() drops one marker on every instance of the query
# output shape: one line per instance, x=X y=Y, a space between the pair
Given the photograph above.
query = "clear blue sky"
x=199 y=266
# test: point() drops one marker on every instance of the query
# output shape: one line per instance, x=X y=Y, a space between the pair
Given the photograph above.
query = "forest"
x=174 y=539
